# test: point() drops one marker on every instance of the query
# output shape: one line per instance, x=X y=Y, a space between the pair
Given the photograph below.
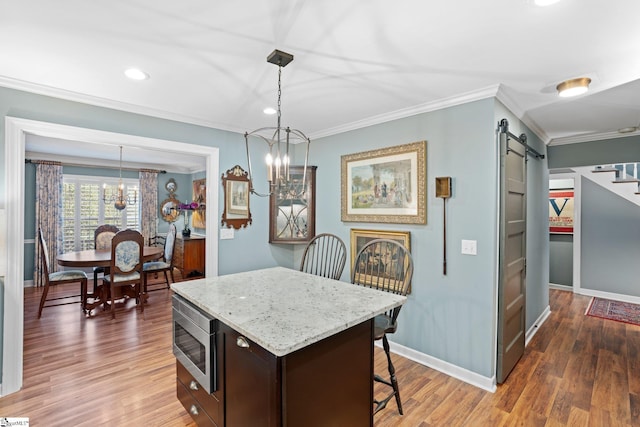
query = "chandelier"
x=119 y=200
x=279 y=141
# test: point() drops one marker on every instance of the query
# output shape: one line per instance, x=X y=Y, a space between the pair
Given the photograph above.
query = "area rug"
x=614 y=310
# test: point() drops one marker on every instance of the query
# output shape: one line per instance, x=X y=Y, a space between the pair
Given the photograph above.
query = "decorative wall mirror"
x=293 y=219
x=169 y=209
x=171 y=187
x=235 y=185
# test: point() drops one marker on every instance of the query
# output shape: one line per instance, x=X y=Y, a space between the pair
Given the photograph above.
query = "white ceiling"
x=357 y=62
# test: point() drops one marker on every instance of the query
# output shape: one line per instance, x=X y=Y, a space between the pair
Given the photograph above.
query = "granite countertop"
x=284 y=310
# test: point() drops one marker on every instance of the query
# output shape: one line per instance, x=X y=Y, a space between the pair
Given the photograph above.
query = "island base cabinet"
x=205 y=408
x=329 y=383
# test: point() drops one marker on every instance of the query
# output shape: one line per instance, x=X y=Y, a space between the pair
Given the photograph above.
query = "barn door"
x=512 y=254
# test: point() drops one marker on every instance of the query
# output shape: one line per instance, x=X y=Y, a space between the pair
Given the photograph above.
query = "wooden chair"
x=59 y=278
x=125 y=270
x=385 y=265
x=325 y=255
x=102 y=240
x=166 y=264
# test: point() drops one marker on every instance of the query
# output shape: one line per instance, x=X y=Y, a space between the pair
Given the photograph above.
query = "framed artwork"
x=359 y=238
x=386 y=185
x=198 y=220
x=235 y=184
x=561 y=211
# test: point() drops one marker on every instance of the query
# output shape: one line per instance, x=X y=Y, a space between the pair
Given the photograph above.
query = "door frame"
x=577 y=178
x=16 y=131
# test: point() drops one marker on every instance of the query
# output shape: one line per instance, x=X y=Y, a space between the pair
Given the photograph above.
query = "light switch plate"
x=470 y=247
x=226 y=233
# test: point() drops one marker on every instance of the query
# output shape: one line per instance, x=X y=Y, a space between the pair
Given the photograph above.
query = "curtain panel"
x=48 y=218
x=148 y=204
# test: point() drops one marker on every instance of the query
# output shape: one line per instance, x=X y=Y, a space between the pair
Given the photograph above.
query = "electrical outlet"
x=470 y=247
x=226 y=233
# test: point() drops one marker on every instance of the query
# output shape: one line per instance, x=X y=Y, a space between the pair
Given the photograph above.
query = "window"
x=83 y=209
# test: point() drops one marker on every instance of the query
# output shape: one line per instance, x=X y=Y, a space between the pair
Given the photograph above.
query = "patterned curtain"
x=149 y=203
x=48 y=209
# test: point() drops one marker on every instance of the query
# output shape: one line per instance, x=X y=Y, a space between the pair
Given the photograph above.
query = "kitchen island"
x=292 y=348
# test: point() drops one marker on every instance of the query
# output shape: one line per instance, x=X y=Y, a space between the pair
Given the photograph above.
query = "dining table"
x=100 y=258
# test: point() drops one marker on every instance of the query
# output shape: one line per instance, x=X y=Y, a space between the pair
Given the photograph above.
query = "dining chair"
x=386 y=265
x=166 y=264
x=102 y=241
x=125 y=270
x=325 y=255
x=59 y=278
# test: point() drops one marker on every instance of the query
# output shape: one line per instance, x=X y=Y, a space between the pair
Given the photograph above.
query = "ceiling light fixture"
x=119 y=201
x=543 y=3
x=573 y=87
x=136 y=74
x=279 y=140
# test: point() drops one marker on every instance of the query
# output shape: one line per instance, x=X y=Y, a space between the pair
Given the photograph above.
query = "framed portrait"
x=235 y=184
x=561 y=211
x=385 y=185
x=359 y=238
x=198 y=220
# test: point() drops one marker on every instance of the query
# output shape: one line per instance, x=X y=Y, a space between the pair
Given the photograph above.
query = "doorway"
x=16 y=130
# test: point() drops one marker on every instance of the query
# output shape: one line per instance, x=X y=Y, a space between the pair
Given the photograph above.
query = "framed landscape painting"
x=385 y=185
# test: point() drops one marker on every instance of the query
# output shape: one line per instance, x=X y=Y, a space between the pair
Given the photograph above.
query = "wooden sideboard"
x=189 y=256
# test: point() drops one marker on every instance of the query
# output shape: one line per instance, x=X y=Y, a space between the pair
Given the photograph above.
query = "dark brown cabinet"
x=326 y=383
x=189 y=256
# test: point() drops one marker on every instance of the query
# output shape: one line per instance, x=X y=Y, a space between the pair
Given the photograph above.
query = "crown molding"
x=464 y=98
x=108 y=103
x=591 y=137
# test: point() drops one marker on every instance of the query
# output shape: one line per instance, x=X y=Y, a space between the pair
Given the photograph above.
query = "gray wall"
x=450 y=317
x=610 y=236
x=619 y=150
x=561 y=259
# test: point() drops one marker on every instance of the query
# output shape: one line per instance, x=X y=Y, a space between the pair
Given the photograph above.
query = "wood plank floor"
x=78 y=371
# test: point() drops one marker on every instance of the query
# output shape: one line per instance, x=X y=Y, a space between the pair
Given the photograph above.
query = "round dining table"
x=101 y=258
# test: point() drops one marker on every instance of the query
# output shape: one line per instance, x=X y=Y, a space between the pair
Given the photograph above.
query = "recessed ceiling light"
x=573 y=87
x=269 y=110
x=136 y=74
x=545 y=2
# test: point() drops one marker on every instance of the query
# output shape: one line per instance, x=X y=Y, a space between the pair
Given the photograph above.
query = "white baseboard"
x=609 y=295
x=29 y=284
x=536 y=325
x=561 y=287
x=462 y=374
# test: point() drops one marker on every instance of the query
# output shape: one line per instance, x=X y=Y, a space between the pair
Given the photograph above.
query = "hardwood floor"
x=78 y=371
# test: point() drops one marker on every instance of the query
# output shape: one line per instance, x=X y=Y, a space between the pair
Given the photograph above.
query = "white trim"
x=610 y=295
x=16 y=130
x=462 y=374
x=536 y=325
x=109 y=103
x=464 y=98
x=561 y=287
x=590 y=138
x=576 y=224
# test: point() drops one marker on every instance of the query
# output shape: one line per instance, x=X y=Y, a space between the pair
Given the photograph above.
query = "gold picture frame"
x=385 y=185
x=360 y=237
x=198 y=219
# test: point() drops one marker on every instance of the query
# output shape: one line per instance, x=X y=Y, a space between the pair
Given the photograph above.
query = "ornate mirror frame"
x=169 y=209
x=235 y=185
x=171 y=186
x=291 y=219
